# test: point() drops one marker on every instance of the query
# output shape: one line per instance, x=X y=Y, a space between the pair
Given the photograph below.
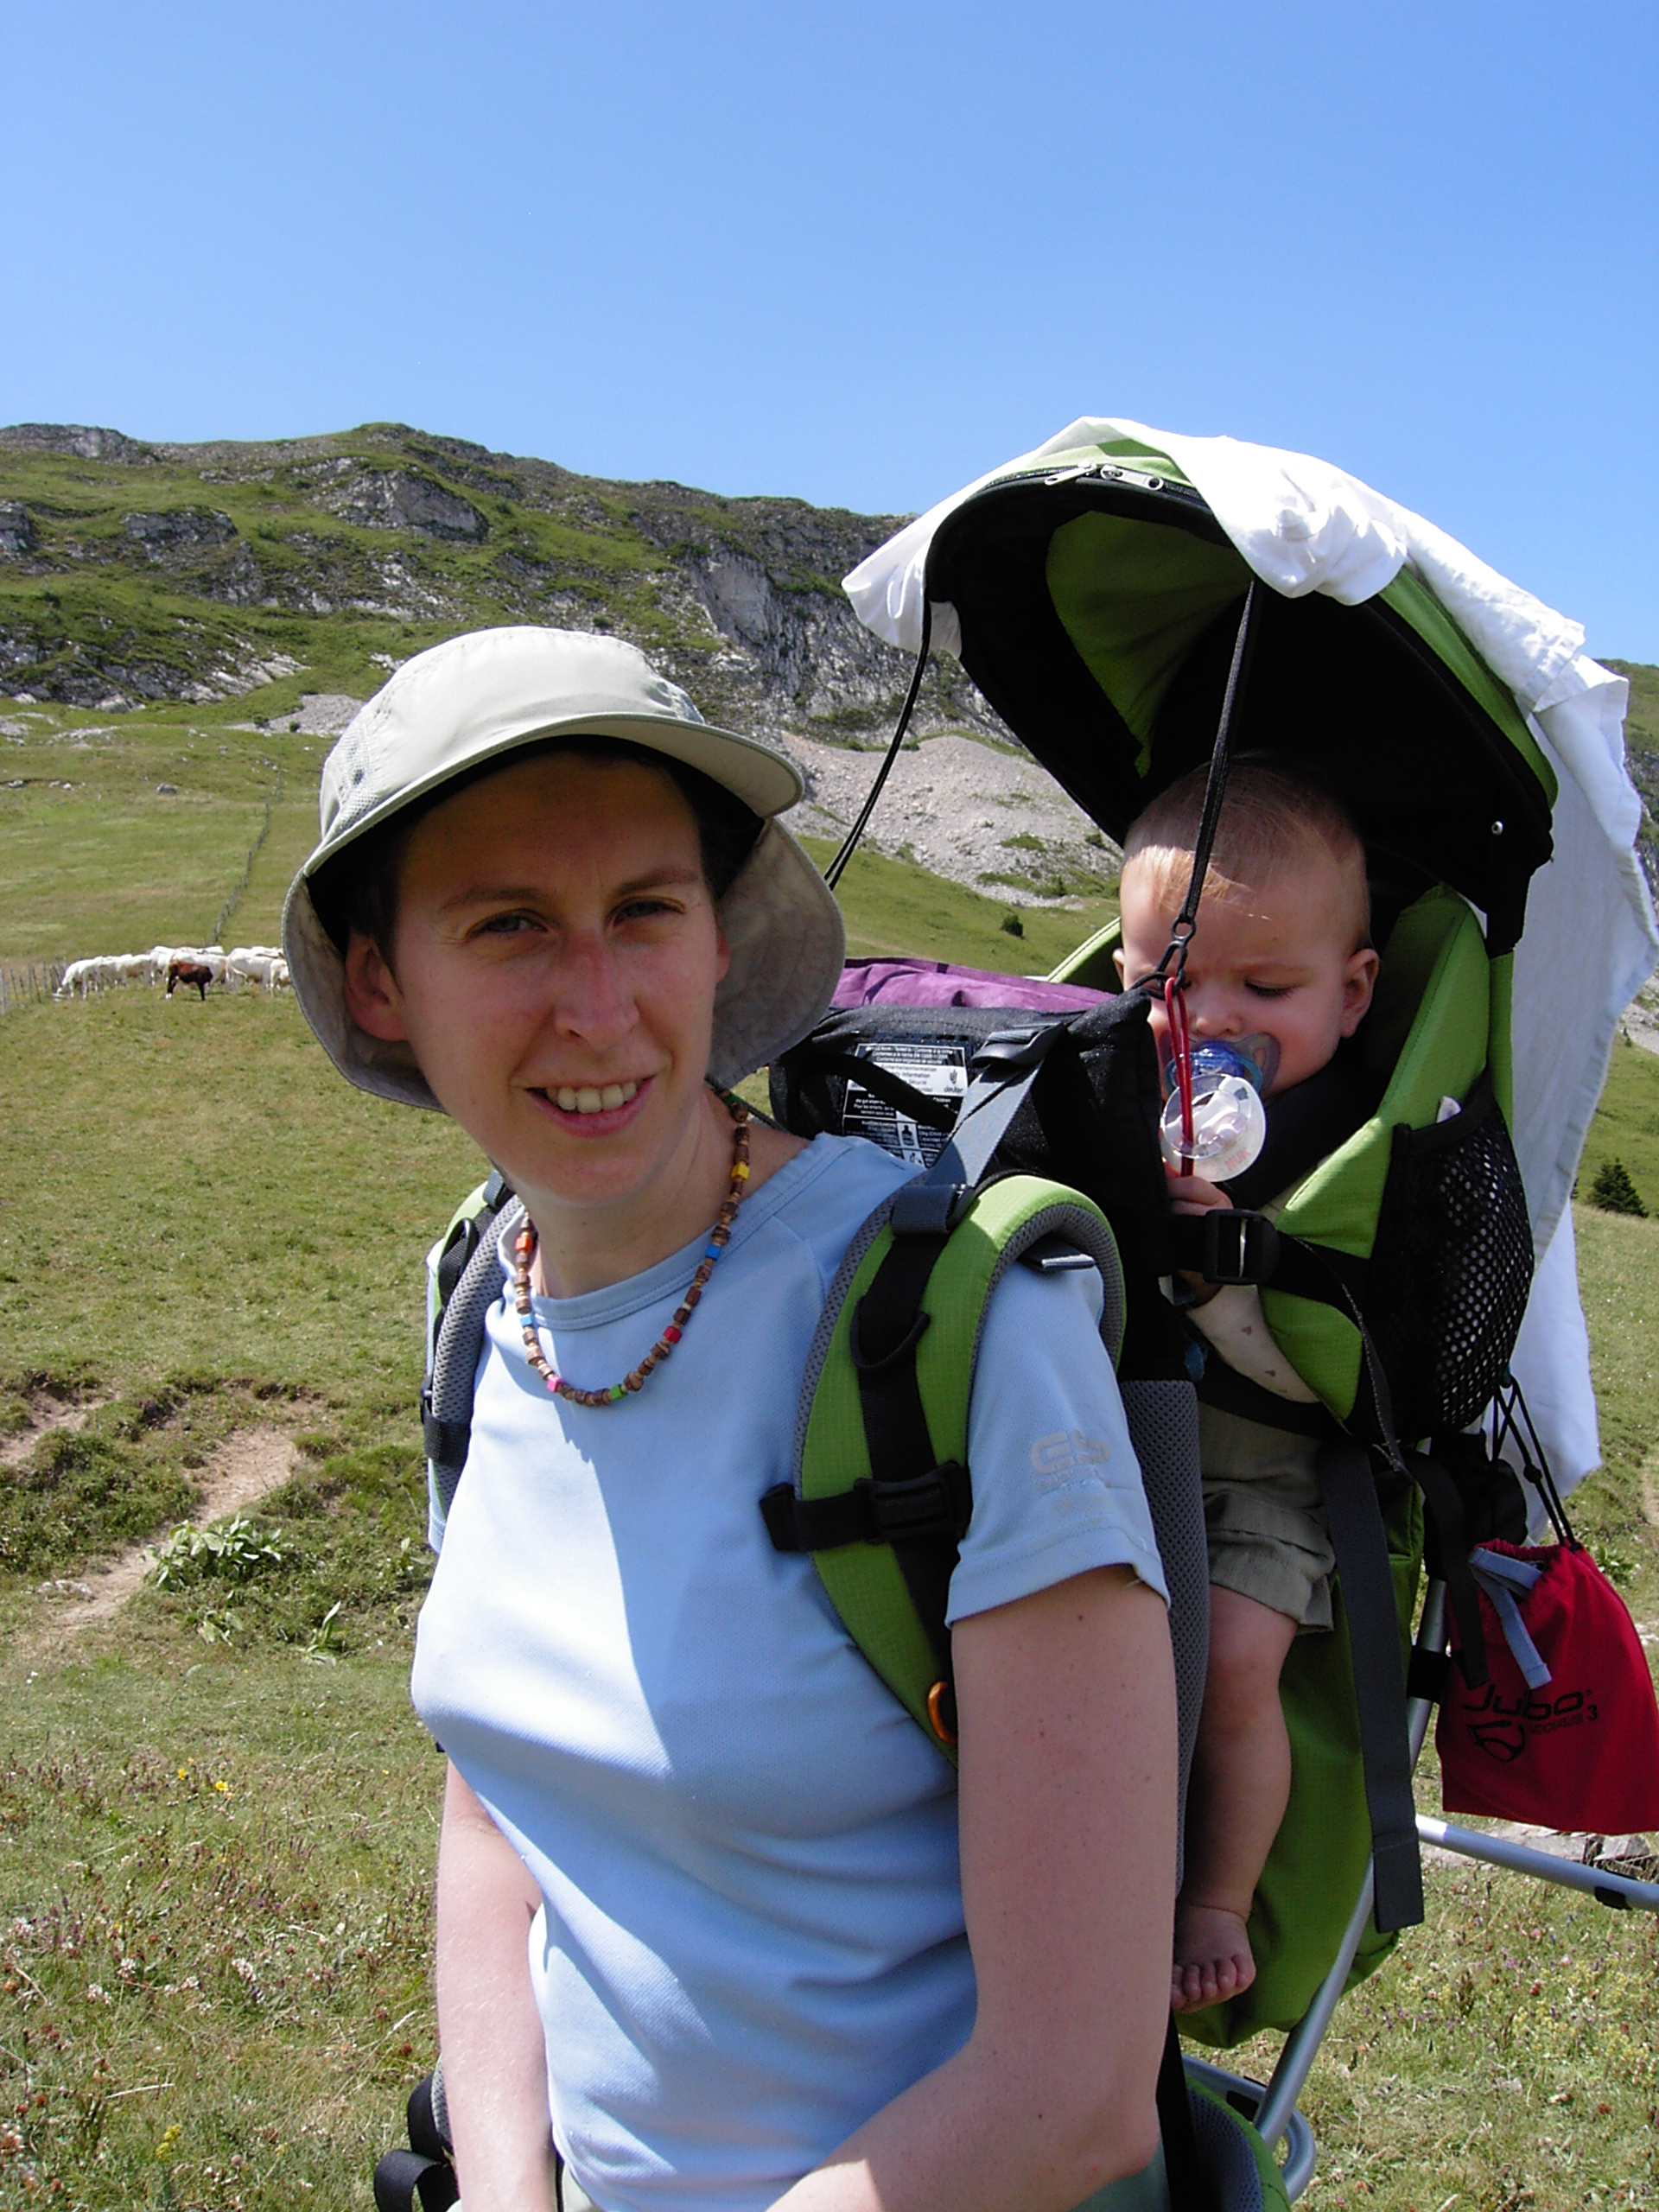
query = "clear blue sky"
x=864 y=254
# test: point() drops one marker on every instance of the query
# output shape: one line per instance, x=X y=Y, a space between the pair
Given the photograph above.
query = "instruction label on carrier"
x=935 y=1066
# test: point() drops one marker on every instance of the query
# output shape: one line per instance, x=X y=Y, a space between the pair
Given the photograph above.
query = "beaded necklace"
x=719 y=1235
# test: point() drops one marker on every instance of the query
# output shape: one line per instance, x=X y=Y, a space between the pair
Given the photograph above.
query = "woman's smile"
x=590 y=1109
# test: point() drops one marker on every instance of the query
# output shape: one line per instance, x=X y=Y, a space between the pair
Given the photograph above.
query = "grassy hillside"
x=1626 y=1126
x=217 y=1815
x=214 y=1857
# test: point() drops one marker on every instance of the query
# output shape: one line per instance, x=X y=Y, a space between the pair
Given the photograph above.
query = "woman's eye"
x=505 y=925
x=646 y=909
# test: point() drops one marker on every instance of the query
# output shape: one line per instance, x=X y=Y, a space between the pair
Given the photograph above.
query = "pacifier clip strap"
x=1181 y=1047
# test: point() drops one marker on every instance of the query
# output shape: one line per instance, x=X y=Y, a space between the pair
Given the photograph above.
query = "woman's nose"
x=590 y=999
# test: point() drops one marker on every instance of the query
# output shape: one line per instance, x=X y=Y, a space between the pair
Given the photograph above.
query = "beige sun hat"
x=479 y=697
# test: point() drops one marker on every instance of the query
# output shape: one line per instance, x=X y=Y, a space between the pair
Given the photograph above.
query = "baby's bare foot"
x=1213 y=1957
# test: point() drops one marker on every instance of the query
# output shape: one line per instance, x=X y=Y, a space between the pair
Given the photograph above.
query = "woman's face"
x=554 y=968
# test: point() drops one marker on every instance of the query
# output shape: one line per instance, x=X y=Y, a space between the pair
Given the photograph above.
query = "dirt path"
x=246 y=1467
x=46 y=1413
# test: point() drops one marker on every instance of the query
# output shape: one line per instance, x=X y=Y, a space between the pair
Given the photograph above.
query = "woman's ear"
x=1358 y=981
x=372 y=997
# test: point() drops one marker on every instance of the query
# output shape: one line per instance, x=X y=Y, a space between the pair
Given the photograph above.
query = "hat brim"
x=766 y=783
x=781 y=924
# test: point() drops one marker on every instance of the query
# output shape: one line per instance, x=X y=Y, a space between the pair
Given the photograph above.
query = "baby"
x=1282 y=951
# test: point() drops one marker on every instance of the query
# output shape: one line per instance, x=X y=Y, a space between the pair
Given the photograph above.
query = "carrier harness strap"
x=1445 y=1504
x=832 y=874
x=1215 y=790
x=1229 y=1392
x=444 y=1441
x=920 y=1507
x=1255 y=1251
x=915 y=1510
x=1191 y=2189
x=1236 y=1245
x=888 y=1323
x=1241 y=1247
x=1356 y=1533
x=887 y=1327
x=1000 y=1077
x=892 y=1089
x=467 y=1233
x=1361 y=1546
x=881 y=1493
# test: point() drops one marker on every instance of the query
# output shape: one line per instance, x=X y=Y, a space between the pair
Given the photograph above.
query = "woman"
x=702 y=1918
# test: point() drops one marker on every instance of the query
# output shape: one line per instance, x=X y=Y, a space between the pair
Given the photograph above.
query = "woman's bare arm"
x=494 y=2061
x=1067 y=1705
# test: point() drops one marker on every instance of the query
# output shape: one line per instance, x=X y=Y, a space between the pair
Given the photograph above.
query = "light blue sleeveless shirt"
x=752 y=1931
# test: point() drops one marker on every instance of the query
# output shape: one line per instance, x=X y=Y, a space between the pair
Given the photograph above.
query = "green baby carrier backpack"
x=1098 y=605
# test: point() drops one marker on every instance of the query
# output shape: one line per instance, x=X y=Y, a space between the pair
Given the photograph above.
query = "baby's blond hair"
x=1270 y=818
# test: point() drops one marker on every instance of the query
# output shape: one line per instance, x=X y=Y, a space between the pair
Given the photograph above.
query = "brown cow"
x=188 y=972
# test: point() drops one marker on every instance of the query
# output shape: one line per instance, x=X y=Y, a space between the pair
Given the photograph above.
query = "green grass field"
x=217 y=1813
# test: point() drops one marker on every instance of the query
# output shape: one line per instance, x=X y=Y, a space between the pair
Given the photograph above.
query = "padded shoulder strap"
x=465 y=1283
x=866 y=1521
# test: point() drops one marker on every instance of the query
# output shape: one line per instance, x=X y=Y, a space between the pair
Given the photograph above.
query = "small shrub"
x=1614 y=1193
x=234 y=1554
x=322 y=1645
x=1011 y=926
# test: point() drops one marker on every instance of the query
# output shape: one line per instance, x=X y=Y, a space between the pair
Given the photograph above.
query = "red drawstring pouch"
x=1565 y=1734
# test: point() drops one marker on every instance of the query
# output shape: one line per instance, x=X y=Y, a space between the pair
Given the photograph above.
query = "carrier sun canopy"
x=1091 y=588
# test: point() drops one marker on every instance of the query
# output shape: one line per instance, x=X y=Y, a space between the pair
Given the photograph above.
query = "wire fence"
x=217 y=934
x=27 y=982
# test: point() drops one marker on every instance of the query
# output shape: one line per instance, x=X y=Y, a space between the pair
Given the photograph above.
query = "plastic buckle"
x=1237 y=1247
x=925 y=1208
x=1014 y=1048
x=919 y=1507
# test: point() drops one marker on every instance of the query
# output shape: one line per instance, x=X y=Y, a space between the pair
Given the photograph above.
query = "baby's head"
x=1282 y=947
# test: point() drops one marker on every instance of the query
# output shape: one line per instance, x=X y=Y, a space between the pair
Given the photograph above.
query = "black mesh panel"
x=1450 y=1268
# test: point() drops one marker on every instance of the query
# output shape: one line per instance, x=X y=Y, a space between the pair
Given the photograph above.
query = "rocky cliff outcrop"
x=136 y=572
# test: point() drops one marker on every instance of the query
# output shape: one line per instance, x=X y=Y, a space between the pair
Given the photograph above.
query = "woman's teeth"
x=589 y=1101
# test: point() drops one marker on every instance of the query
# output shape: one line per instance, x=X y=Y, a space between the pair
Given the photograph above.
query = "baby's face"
x=1269 y=959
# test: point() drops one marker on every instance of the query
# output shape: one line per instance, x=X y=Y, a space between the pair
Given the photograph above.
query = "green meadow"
x=218 y=1816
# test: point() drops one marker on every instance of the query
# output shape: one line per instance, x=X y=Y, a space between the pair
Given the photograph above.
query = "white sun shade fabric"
x=1590 y=941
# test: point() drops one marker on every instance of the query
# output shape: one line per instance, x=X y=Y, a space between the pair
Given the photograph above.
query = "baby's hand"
x=1191 y=1194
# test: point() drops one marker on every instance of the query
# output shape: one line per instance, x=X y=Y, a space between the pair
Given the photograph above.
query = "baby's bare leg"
x=1237 y=1796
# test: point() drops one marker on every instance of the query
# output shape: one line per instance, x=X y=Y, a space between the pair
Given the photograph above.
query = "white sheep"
x=258 y=964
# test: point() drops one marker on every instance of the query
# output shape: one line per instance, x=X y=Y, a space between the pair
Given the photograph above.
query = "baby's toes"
x=1187 y=1984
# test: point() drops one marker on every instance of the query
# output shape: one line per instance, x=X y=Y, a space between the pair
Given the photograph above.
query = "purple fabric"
x=931 y=983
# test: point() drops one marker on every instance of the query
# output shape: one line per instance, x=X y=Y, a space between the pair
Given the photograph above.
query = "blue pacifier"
x=1230 y=1121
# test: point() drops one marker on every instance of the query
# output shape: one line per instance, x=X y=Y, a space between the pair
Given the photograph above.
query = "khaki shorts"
x=1264 y=1517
